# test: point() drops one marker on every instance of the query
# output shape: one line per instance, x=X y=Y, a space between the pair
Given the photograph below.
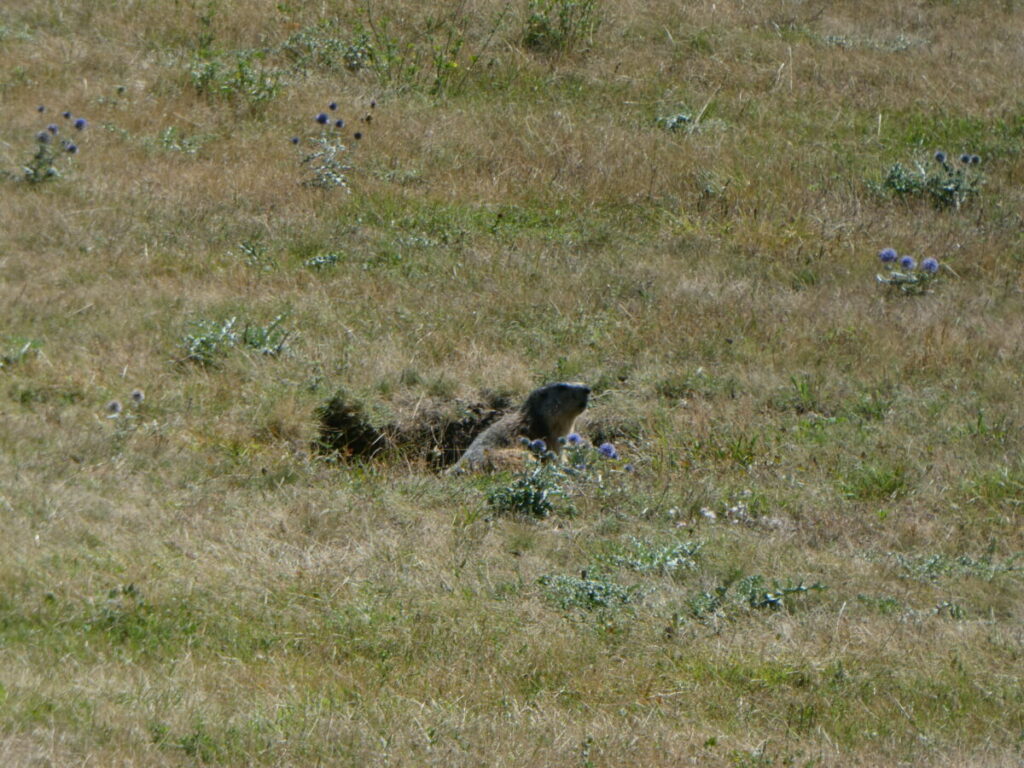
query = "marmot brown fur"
x=548 y=414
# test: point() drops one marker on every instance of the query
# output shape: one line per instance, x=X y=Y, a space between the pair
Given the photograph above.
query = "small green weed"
x=930 y=568
x=325 y=47
x=256 y=255
x=323 y=260
x=681 y=121
x=173 y=139
x=696 y=383
x=18 y=351
x=531 y=493
x=559 y=26
x=873 y=481
x=588 y=593
x=533 y=490
x=802 y=396
x=643 y=556
x=240 y=77
x=209 y=341
x=745 y=593
x=435 y=56
x=739 y=449
x=945 y=186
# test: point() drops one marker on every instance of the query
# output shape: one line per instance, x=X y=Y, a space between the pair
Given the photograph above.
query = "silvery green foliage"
x=945 y=183
x=644 y=557
x=532 y=493
x=209 y=340
x=589 y=592
x=325 y=163
x=747 y=592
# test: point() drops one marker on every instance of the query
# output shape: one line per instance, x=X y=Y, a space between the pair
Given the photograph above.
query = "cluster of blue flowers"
x=966 y=159
x=540 y=448
x=327 y=121
x=42 y=165
x=904 y=273
x=79 y=124
x=889 y=257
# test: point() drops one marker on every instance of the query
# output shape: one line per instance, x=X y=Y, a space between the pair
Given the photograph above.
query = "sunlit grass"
x=815 y=558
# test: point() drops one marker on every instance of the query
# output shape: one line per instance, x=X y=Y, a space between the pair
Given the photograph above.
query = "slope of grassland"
x=813 y=556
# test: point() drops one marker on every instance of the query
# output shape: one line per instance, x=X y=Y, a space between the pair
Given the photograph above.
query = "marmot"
x=548 y=414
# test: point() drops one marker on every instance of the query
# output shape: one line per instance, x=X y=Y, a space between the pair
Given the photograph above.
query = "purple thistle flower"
x=71 y=148
x=608 y=451
x=322 y=118
x=930 y=265
x=339 y=124
x=908 y=263
x=629 y=468
x=357 y=135
x=940 y=156
x=138 y=396
x=887 y=255
x=975 y=159
x=332 y=106
x=43 y=137
x=40 y=108
x=66 y=115
x=52 y=128
x=538 y=446
x=965 y=158
x=114 y=408
x=80 y=123
x=574 y=439
x=295 y=139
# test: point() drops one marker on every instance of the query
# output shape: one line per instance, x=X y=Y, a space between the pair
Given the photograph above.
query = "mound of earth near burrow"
x=429 y=429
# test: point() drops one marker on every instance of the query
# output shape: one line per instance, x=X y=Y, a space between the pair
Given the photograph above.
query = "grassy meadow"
x=810 y=551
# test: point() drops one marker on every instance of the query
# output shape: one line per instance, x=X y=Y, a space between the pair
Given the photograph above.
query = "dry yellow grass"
x=189 y=584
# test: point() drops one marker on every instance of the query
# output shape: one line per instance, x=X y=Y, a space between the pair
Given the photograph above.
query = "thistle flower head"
x=574 y=439
x=930 y=265
x=908 y=263
x=114 y=407
x=71 y=148
x=940 y=156
x=40 y=108
x=52 y=128
x=975 y=159
x=357 y=135
x=887 y=255
x=138 y=396
x=339 y=123
x=965 y=159
x=43 y=137
x=332 y=106
x=66 y=115
x=608 y=451
x=322 y=118
x=80 y=124
x=295 y=139
x=538 y=446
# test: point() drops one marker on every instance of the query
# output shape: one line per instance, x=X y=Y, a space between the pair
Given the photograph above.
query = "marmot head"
x=551 y=410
